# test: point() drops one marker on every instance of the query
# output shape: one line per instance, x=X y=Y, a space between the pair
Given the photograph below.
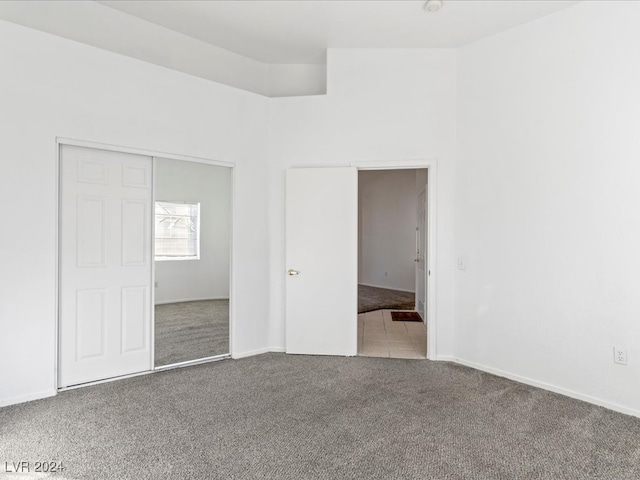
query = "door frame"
x=59 y=142
x=431 y=164
x=424 y=190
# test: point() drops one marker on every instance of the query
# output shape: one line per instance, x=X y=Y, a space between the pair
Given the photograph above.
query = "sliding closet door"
x=105 y=264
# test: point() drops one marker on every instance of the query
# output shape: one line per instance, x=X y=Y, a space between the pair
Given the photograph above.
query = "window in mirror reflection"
x=177 y=231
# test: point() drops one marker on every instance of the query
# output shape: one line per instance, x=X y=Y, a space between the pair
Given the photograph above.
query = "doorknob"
x=291 y=271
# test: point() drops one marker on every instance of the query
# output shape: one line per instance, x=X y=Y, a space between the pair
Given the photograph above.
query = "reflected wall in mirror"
x=192 y=260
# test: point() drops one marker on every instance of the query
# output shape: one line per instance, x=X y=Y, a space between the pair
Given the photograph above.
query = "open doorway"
x=392 y=263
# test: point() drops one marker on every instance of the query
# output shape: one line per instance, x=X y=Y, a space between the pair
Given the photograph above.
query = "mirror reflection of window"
x=177 y=230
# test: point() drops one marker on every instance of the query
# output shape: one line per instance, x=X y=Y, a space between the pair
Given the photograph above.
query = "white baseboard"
x=5 y=402
x=445 y=358
x=181 y=300
x=259 y=351
x=543 y=385
x=388 y=288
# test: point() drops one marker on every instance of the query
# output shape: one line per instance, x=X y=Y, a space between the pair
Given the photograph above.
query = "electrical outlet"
x=620 y=355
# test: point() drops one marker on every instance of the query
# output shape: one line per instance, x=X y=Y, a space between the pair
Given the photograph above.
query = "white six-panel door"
x=105 y=264
x=321 y=248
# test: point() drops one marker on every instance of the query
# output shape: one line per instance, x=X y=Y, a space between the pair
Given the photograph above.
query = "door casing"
x=421 y=242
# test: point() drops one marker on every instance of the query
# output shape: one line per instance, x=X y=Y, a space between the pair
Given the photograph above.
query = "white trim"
x=191 y=300
x=259 y=351
x=432 y=297
x=5 y=402
x=232 y=263
x=141 y=151
x=445 y=358
x=188 y=363
x=431 y=164
x=57 y=203
x=386 y=288
x=543 y=385
x=104 y=380
x=152 y=330
x=395 y=164
x=420 y=247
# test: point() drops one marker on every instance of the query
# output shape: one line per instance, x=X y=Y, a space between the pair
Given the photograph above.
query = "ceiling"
x=301 y=31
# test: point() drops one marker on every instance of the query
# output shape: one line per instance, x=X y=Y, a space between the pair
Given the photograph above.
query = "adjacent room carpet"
x=374 y=298
x=297 y=417
x=191 y=330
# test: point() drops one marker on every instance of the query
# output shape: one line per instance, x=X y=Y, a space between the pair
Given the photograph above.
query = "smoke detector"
x=433 y=6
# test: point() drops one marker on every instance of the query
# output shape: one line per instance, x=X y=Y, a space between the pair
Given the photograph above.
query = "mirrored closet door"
x=192 y=235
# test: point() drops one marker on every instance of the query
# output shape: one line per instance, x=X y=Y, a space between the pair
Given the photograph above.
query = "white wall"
x=289 y=80
x=385 y=105
x=387 y=206
x=547 y=204
x=55 y=87
x=208 y=276
x=116 y=31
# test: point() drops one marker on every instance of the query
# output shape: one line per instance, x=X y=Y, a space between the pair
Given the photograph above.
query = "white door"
x=421 y=255
x=105 y=264
x=321 y=258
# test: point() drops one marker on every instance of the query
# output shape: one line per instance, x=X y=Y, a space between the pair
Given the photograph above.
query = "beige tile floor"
x=379 y=336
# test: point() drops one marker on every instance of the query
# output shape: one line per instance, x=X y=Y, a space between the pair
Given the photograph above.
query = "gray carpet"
x=374 y=298
x=191 y=330
x=301 y=417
